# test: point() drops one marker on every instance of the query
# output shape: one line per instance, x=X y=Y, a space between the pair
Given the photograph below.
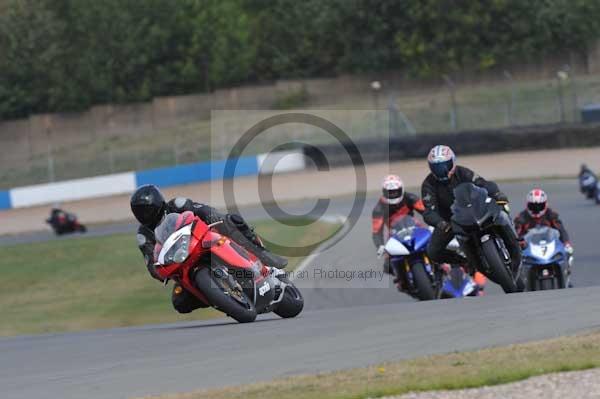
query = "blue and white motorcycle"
x=408 y=259
x=456 y=283
x=546 y=263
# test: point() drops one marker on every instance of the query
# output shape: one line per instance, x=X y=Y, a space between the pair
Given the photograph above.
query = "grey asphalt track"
x=342 y=327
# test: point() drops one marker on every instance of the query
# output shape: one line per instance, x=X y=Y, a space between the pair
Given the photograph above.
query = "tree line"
x=67 y=55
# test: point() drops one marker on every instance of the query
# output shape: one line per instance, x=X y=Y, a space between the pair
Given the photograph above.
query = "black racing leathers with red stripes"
x=524 y=222
x=384 y=215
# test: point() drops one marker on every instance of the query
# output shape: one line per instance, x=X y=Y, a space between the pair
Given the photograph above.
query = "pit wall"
x=123 y=183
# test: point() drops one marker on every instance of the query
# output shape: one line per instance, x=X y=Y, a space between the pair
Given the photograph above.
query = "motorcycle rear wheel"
x=422 y=282
x=216 y=286
x=499 y=273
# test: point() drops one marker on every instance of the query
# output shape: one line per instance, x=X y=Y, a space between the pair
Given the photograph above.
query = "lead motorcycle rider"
x=438 y=195
x=149 y=208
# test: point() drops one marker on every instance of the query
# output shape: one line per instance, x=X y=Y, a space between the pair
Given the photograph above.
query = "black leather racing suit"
x=233 y=226
x=438 y=197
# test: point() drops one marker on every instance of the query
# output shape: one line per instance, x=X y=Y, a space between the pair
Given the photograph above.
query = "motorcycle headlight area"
x=178 y=252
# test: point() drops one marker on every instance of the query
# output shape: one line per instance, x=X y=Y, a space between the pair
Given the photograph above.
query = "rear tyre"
x=225 y=294
x=499 y=272
x=422 y=282
x=292 y=303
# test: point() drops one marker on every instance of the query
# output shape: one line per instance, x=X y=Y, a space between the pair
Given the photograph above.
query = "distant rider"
x=149 y=208
x=438 y=195
x=587 y=180
x=393 y=204
x=538 y=213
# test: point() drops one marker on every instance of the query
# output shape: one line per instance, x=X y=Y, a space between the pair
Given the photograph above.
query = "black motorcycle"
x=480 y=222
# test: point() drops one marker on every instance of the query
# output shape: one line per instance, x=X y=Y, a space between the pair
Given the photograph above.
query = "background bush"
x=66 y=55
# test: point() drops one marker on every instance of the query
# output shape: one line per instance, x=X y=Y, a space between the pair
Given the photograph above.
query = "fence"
x=177 y=130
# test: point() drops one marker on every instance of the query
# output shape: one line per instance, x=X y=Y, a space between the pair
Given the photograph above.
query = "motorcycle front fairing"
x=473 y=207
x=544 y=247
x=458 y=284
x=414 y=241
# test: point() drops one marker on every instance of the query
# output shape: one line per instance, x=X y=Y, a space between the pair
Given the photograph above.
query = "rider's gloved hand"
x=444 y=226
x=569 y=248
x=380 y=251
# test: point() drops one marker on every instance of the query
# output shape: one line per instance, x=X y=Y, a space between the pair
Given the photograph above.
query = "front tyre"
x=499 y=273
x=422 y=282
x=225 y=294
x=546 y=284
x=292 y=302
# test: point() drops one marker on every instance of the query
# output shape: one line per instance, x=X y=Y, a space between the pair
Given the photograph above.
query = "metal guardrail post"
x=454 y=110
x=510 y=104
x=561 y=76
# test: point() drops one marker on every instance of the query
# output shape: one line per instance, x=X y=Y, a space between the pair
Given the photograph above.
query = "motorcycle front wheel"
x=224 y=294
x=422 y=282
x=292 y=302
x=498 y=271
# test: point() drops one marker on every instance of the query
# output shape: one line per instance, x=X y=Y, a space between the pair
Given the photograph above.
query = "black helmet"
x=148 y=205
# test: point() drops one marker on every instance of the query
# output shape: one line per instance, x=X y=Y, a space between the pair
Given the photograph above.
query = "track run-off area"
x=345 y=323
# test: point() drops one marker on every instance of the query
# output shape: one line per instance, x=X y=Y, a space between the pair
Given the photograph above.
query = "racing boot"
x=244 y=235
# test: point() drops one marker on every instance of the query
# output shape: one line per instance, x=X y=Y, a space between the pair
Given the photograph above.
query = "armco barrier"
x=123 y=183
x=194 y=173
x=463 y=143
x=5 y=200
x=99 y=186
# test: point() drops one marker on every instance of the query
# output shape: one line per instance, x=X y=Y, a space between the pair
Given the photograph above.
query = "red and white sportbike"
x=220 y=272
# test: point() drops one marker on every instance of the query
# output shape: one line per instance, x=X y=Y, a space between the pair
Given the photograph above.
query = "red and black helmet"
x=537 y=202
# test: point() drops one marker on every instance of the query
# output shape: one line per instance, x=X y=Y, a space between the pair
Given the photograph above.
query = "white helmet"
x=441 y=161
x=392 y=189
x=537 y=202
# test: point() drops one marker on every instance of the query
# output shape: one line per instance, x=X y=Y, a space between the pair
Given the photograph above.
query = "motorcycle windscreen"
x=542 y=235
x=459 y=283
x=471 y=204
x=173 y=236
x=403 y=228
x=544 y=244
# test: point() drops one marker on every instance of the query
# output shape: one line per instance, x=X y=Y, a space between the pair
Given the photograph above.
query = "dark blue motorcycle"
x=457 y=283
x=406 y=249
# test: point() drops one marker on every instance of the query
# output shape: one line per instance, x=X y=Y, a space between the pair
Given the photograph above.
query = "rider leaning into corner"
x=393 y=204
x=149 y=208
x=438 y=195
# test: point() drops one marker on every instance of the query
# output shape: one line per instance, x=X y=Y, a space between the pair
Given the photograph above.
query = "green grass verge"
x=89 y=283
x=442 y=372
